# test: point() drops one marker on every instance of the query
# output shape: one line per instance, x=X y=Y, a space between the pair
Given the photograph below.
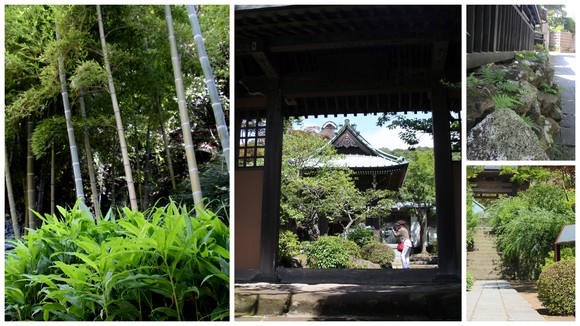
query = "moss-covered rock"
x=504 y=135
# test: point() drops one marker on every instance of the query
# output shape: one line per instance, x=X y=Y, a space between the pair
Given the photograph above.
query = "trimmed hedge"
x=378 y=253
x=557 y=288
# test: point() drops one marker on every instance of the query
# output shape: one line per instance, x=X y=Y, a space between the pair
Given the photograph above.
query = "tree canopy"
x=140 y=60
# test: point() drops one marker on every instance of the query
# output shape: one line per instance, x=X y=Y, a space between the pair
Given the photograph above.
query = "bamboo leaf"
x=51 y=307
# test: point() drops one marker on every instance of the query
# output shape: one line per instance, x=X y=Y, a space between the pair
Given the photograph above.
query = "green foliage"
x=469 y=281
x=472 y=220
x=360 y=234
x=139 y=53
x=378 y=253
x=557 y=288
x=531 y=123
x=503 y=101
x=162 y=265
x=351 y=248
x=492 y=76
x=522 y=174
x=412 y=128
x=329 y=252
x=527 y=225
x=566 y=253
x=509 y=87
x=288 y=245
x=89 y=76
x=472 y=81
x=314 y=185
x=550 y=90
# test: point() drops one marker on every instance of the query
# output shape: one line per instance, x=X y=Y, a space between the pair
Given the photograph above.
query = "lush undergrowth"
x=164 y=264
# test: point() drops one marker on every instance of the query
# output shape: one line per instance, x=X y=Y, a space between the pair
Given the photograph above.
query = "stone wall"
x=562 y=42
x=513 y=109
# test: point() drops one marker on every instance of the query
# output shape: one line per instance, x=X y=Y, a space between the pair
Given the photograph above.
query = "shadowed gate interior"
x=293 y=61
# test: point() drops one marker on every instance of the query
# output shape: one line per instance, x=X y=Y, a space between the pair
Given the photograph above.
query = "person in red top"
x=400 y=230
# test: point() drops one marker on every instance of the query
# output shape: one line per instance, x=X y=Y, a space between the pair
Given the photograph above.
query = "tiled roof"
x=365 y=161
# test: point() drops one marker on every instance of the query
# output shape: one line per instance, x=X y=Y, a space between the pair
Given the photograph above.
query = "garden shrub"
x=378 y=253
x=566 y=253
x=526 y=227
x=361 y=235
x=162 y=265
x=352 y=248
x=557 y=288
x=288 y=246
x=329 y=252
x=470 y=281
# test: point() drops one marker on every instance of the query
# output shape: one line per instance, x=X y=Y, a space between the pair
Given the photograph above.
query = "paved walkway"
x=498 y=301
x=565 y=77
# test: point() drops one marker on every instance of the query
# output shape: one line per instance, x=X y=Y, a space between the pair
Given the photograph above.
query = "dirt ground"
x=529 y=292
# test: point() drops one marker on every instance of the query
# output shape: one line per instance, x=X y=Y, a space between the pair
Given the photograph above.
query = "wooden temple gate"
x=294 y=61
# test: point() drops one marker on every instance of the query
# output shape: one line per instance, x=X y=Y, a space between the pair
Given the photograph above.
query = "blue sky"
x=379 y=137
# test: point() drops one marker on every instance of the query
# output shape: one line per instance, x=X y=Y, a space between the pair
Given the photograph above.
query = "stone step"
x=484 y=261
x=482 y=254
x=349 y=302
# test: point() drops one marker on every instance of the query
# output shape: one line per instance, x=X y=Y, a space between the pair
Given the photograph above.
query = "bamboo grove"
x=115 y=106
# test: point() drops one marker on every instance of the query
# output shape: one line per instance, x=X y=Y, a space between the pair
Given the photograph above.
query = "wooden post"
x=444 y=198
x=271 y=195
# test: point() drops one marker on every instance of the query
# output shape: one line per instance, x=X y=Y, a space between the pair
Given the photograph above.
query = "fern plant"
x=508 y=87
x=491 y=76
x=503 y=101
x=530 y=122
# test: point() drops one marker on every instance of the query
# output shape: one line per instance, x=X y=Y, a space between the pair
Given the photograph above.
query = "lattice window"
x=251 y=141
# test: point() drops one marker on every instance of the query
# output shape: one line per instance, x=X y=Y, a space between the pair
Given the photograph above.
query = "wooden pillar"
x=271 y=194
x=444 y=197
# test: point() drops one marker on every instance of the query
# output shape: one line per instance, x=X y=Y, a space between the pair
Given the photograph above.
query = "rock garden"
x=514 y=109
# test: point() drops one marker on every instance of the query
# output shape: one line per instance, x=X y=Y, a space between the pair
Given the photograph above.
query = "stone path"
x=496 y=300
x=565 y=77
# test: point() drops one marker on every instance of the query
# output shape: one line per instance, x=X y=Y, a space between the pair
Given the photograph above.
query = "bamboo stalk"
x=69 y=128
x=184 y=116
x=120 y=129
x=10 y=193
x=89 y=155
x=216 y=104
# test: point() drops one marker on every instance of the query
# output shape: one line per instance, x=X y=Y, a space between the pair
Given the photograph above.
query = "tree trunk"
x=52 y=180
x=40 y=193
x=147 y=168
x=69 y=127
x=89 y=156
x=216 y=104
x=137 y=149
x=166 y=145
x=120 y=130
x=30 y=177
x=189 y=151
x=10 y=194
x=423 y=232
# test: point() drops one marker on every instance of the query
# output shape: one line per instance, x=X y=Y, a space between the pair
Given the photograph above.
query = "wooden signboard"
x=567 y=235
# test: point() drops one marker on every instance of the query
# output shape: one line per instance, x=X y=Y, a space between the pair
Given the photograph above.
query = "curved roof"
x=358 y=152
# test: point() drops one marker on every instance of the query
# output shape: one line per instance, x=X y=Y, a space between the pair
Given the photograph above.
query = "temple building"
x=373 y=168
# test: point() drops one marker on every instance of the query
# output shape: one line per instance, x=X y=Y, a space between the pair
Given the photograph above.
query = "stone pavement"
x=496 y=300
x=565 y=77
x=341 y=295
